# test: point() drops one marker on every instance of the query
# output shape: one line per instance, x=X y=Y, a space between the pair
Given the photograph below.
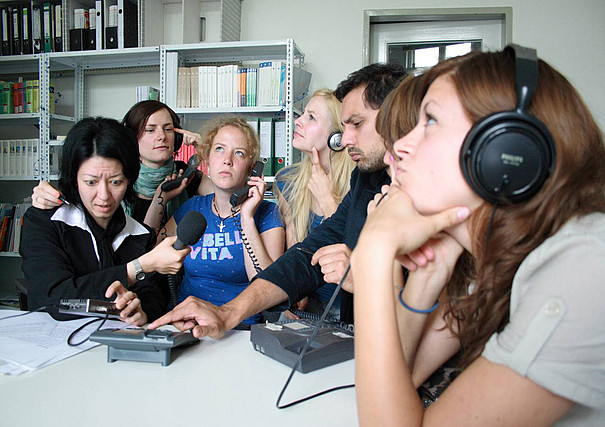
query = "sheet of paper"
x=36 y=340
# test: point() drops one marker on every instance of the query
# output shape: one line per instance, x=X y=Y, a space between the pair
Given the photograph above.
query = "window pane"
x=457 y=50
x=426 y=57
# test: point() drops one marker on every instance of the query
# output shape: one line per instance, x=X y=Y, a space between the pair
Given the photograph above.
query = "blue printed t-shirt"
x=214 y=269
x=325 y=292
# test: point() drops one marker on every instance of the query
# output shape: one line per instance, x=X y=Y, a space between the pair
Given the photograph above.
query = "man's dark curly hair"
x=379 y=80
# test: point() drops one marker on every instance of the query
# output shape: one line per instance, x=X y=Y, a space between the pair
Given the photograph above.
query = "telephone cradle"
x=141 y=345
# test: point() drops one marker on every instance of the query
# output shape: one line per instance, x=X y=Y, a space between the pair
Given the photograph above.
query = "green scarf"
x=148 y=181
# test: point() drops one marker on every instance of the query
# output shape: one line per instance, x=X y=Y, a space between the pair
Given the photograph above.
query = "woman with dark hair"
x=88 y=247
x=159 y=136
x=520 y=278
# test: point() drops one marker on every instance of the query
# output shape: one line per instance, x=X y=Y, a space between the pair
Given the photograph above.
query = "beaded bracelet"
x=415 y=310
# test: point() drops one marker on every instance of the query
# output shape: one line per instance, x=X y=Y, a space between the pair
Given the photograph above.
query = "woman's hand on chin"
x=395 y=224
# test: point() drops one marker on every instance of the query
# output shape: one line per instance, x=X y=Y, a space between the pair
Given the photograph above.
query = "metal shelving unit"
x=237 y=52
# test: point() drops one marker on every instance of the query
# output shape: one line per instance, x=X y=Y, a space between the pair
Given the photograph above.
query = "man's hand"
x=334 y=261
x=202 y=317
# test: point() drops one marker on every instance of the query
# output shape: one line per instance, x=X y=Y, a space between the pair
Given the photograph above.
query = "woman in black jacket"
x=88 y=247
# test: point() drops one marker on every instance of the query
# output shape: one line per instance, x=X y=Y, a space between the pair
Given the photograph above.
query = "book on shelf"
x=18 y=90
x=280 y=143
x=127 y=24
x=15 y=239
x=6 y=219
x=267 y=144
x=57 y=27
x=6 y=22
x=47 y=32
x=170 y=94
x=99 y=25
x=6 y=98
x=37 y=40
x=17 y=29
x=194 y=80
x=26 y=30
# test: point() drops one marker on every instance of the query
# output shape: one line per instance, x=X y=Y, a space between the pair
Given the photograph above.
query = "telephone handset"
x=240 y=195
x=192 y=165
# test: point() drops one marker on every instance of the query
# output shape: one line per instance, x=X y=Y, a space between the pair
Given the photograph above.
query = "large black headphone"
x=507 y=156
x=176 y=122
x=335 y=141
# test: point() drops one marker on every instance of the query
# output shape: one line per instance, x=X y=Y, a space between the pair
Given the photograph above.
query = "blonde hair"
x=295 y=201
x=212 y=127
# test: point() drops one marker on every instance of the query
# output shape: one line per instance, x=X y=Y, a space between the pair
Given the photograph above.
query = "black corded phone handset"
x=192 y=165
x=240 y=195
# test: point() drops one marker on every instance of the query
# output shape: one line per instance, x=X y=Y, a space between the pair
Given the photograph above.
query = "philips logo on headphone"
x=511 y=159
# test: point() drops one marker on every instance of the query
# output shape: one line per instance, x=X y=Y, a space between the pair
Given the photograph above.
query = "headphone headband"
x=526 y=74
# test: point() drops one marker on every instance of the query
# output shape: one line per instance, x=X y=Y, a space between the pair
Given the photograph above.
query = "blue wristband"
x=415 y=310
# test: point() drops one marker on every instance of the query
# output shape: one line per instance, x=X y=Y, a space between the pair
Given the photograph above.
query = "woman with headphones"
x=157 y=128
x=497 y=210
x=310 y=191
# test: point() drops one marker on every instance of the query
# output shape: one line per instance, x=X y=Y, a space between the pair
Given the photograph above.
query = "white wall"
x=568 y=34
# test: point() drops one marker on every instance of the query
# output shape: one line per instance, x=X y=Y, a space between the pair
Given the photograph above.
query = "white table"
x=214 y=383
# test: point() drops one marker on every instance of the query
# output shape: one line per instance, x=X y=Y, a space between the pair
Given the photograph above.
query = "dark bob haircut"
x=101 y=137
x=136 y=118
x=379 y=80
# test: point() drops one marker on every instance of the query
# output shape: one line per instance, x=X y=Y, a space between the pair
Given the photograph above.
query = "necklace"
x=221 y=226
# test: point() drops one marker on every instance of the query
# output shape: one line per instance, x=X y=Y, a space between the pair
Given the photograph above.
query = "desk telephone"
x=284 y=341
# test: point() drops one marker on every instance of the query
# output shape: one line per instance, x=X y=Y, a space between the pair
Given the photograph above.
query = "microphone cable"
x=306 y=347
x=81 y=327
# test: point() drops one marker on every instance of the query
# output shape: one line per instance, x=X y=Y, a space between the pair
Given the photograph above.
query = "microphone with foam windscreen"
x=188 y=232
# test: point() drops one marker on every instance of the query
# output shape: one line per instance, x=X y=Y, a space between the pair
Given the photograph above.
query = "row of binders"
x=11 y=223
x=231 y=86
x=109 y=25
x=20 y=158
x=31 y=27
x=273 y=143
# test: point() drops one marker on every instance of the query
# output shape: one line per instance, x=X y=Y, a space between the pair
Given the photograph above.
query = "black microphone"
x=188 y=232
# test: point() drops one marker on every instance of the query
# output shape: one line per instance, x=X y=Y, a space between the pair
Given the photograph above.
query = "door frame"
x=383 y=16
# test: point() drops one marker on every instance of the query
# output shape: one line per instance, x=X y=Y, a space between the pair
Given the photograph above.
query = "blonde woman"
x=311 y=190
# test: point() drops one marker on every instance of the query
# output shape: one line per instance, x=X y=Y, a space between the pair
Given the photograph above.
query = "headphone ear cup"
x=178 y=139
x=335 y=141
x=507 y=156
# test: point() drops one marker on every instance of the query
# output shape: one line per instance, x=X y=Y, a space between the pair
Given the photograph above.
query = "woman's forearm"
x=385 y=392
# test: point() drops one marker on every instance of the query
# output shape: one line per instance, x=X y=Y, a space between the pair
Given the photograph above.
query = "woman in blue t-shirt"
x=238 y=240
